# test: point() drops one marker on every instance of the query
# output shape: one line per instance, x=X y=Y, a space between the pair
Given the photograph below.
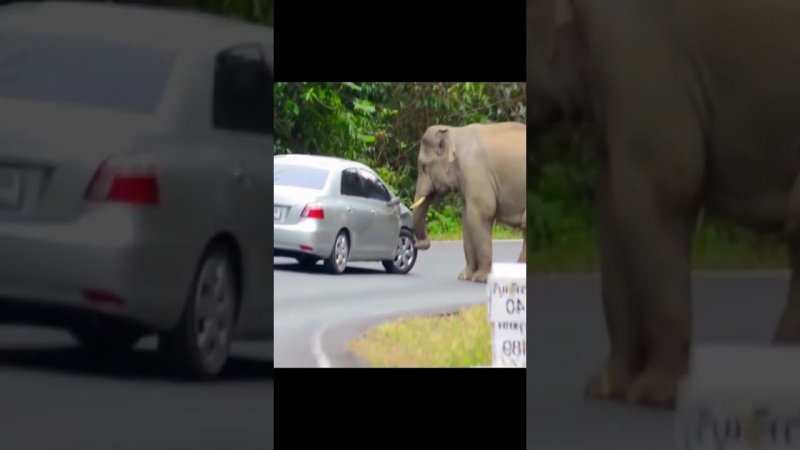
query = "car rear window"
x=300 y=176
x=77 y=70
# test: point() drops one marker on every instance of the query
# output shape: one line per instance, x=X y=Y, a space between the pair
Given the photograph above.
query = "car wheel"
x=405 y=256
x=198 y=346
x=107 y=339
x=337 y=261
x=307 y=261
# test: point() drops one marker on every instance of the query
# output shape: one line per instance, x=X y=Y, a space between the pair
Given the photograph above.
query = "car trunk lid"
x=49 y=155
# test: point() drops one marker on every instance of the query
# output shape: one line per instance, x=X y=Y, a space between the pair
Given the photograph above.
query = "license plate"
x=278 y=212
x=10 y=187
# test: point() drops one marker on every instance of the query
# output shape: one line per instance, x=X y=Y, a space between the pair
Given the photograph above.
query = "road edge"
x=341 y=332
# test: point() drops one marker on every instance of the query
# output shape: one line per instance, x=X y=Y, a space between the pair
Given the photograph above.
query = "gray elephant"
x=485 y=164
x=695 y=104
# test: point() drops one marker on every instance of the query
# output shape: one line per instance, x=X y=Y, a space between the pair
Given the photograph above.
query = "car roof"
x=161 y=27
x=322 y=162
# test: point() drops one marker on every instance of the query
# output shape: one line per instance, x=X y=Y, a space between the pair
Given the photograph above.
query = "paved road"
x=53 y=398
x=316 y=314
x=567 y=341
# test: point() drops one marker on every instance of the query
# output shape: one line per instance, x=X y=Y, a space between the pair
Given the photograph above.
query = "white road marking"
x=317 y=350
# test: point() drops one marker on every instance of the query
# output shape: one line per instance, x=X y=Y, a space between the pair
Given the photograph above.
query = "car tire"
x=307 y=261
x=405 y=255
x=199 y=345
x=336 y=263
x=107 y=339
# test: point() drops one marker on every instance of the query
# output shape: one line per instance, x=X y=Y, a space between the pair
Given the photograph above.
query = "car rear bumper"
x=106 y=262
x=306 y=237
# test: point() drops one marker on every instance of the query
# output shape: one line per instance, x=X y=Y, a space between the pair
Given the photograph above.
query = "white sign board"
x=740 y=398
x=507 y=314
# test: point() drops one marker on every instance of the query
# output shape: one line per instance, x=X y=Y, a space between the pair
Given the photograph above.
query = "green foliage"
x=561 y=224
x=380 y=124
x=260 y=11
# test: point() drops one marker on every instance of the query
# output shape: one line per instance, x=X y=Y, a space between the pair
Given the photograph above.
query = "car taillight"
x=124 y=183
x=102 y=298
x=313 y=211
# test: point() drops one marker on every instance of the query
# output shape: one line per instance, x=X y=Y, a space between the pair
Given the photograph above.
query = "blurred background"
x=260 y=11
x=561 y=236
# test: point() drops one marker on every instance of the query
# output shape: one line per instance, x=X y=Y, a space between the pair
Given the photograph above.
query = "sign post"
x=507 y=314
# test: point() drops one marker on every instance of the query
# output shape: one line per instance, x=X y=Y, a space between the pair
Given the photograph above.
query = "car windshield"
x=87 y=72
x=300 y=176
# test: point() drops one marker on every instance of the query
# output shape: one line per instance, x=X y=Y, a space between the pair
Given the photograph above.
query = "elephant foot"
x=611 y=382
x=655 y=387
x=480 y=276
x=465 y=275
x=788 y=333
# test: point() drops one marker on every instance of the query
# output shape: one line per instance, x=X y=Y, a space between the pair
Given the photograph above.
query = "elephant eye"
x=423 y=168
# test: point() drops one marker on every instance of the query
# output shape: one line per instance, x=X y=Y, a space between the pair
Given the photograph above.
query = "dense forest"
x=381 y=124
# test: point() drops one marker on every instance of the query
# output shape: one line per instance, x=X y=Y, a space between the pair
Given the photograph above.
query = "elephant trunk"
x=423 y=198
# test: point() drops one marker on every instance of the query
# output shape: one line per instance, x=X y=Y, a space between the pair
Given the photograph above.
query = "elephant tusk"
x=417 y=203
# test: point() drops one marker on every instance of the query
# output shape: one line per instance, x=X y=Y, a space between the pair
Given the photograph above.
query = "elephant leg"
x=622 y=317
x=469 y=253
x=480 y=231
x=658 y=253
x=524 y=253
x=788 y=330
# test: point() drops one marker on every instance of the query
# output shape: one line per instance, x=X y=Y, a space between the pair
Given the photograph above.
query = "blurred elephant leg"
x=657 y=246
x=626 y=357
x=788 y=330
x=658 y=250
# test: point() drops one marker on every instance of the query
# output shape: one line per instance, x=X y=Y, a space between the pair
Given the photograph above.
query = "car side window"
x=243 y=91
x=351 y=183
x=375 y=189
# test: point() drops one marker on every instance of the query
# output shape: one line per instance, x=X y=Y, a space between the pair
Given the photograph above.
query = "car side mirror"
x=394 y=202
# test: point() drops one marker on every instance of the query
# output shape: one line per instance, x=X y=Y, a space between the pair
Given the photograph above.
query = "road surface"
x=54 y=398
x=567 y=341
x=317 y=314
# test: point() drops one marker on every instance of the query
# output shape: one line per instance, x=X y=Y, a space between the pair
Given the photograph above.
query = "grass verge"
x=456 y=234
x=710 y=251
x=461 y=339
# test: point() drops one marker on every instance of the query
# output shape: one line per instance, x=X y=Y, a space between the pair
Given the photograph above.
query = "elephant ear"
x=445 y=145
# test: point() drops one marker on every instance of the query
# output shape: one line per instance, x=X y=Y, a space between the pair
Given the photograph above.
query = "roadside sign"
x=740 y=397
x=506 y=287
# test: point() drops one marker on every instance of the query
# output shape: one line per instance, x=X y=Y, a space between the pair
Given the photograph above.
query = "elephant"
x=693 y=107
x=485 y=164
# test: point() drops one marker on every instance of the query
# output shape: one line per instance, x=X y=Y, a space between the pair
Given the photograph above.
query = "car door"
x=358 y=220
x=243 y=121
x=385 y=228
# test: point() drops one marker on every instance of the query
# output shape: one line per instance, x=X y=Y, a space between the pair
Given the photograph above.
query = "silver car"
x=338 y=211
x=134 y=168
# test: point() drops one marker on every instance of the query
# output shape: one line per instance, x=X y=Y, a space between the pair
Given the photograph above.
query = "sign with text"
x=740 y=398
x=507 y=314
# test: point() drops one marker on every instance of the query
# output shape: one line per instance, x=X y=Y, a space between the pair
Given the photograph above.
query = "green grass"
x=455 y=234
x=711 y=250
x=562 y=240
x=462 y=339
